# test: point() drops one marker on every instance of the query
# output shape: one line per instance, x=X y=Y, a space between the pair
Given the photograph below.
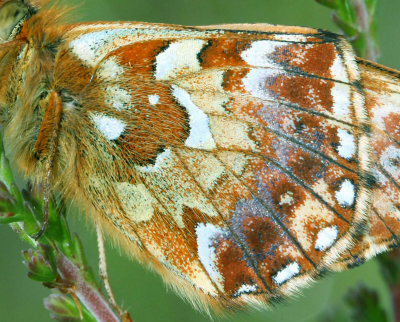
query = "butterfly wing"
x=382 y=90
x=234 y=160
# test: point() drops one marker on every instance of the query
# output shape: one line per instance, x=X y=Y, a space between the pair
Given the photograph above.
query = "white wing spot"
x=341 y=94
x=178 y=57
x=160 y=160
x=287 y=199
x=338 y=70
x=154 y=99
x=346 y=194
x=92 y=46
x=110 y=69
x=206 y=235
x=200 y=135
x=347 y=146
x=259 y=52
x=390 y=161
x=118 y=98
x=326 y=237
x=287 y=273
x=256 y=80
x=246 y=289
x=111 y=127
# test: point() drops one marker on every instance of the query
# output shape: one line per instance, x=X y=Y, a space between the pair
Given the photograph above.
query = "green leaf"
x=40 y=265
x=9 y=217
x=349 y=28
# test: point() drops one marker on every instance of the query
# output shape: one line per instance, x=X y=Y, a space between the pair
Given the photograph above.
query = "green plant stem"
x=365 y=22
x=357 y=20
x=86 y=293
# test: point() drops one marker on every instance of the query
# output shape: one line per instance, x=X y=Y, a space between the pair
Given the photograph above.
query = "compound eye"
x=12 y=16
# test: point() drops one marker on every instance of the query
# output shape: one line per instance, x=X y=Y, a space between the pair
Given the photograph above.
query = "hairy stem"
x=86 y=293
x=364 y=22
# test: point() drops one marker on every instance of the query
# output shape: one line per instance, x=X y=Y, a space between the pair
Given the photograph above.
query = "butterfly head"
x=13 y=13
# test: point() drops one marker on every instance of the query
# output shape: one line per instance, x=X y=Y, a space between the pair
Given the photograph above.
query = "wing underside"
x=240 y=158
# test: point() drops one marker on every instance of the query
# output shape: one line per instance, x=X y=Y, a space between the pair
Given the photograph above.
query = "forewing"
x=238 y=158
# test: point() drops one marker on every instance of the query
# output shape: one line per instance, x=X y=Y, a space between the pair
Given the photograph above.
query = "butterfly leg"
x=46 y=150
x=103 y=265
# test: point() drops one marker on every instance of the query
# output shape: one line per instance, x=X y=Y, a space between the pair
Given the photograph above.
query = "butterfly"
x=240 y=162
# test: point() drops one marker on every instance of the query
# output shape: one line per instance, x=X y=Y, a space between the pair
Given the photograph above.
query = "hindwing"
x=237 y=160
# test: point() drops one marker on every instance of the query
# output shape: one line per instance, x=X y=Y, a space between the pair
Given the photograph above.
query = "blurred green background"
x=141 y=291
